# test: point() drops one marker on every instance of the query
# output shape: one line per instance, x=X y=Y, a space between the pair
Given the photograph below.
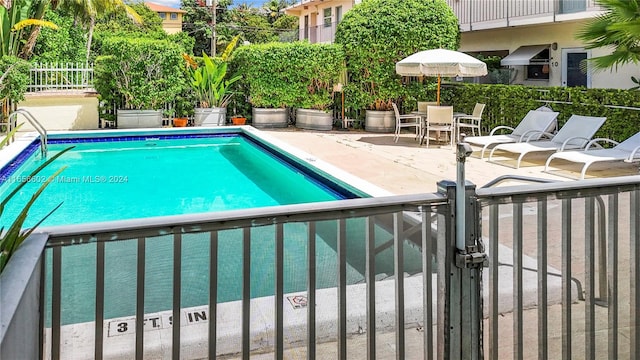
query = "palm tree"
x=619 y=28
x=88 y=10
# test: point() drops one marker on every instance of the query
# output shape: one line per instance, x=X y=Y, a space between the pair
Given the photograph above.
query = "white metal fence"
x=60 y=77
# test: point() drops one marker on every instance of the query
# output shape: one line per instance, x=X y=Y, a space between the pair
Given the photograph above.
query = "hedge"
x=376 y=34
x=508 y=104
x=293 y=75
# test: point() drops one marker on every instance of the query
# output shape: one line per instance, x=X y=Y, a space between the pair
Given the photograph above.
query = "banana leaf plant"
x=208 y=80
x=14 y=235
x=15 y=17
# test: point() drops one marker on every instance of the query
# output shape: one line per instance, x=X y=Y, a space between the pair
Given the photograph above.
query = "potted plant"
x=319 y=66
x=374 y=42
x=211 y=87
x=238 y=120
x=266 y=85
x=139 y=76
x=183 y=109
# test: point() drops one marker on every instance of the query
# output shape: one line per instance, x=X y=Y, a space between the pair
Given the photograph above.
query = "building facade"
x=535 y=38
x=319 y=18
x=171 y=18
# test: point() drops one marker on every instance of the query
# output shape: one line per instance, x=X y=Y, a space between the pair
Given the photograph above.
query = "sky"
x=176 y=3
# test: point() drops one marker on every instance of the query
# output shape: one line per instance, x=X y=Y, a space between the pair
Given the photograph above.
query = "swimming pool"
x=135 y=175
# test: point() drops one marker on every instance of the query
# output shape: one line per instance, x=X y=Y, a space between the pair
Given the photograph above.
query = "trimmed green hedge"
x=294 y=75
x=145 y=73
x=376 y=34
x=508 y=104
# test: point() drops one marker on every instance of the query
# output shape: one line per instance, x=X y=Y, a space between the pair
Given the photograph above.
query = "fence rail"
x=60 y=77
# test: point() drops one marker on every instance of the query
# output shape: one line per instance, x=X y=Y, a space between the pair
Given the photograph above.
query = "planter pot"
x=180 y=122
x=270 y=118
x=210 y=116
x=238 y=120
x=380 y=121
x=314 y=119
x=134 y=119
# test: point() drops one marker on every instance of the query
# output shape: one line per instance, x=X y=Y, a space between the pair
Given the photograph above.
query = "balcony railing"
x=502 y=13
x=323 y=33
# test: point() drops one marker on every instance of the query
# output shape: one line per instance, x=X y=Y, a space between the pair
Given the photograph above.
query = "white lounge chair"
x=627 y=151
x=575 y=134
x=532 y=126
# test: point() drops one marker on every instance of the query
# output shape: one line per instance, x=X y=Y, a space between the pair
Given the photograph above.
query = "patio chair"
x=532 y=126
x=627 y=151
x=405 y=121
x=575 y=134
x=439 y=119
x=470 y=121
x=422 y=106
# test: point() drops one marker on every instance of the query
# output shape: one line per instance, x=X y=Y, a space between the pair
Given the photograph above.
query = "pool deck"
x=406 y=167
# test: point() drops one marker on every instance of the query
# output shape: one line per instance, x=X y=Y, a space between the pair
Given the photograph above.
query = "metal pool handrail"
x=36 y=124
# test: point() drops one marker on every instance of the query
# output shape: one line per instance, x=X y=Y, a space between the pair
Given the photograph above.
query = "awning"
x=524 y=55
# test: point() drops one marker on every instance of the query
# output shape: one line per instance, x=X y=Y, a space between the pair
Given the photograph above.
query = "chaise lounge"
x=627 y=151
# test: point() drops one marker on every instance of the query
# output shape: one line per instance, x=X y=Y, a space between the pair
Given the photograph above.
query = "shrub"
x=378 y=33
x=508 y=104
x=297 y=74
x=140 y=73
x=14 y=74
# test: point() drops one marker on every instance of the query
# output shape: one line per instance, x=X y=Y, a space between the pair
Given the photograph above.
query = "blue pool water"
x=136 y=177
x=132 y=178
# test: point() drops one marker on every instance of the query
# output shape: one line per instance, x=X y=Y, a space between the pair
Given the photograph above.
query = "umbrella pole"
x=438 y=92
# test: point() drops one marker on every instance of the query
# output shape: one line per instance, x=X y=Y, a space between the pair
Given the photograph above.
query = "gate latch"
x=471 y=258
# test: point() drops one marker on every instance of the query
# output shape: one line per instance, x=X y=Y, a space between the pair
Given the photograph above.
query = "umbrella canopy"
x=441 y=62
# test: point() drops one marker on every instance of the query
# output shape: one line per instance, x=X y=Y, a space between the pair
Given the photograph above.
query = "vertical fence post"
x=463 y=260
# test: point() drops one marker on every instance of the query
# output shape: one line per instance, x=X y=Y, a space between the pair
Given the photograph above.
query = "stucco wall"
x=61 y=111
x=562 y=34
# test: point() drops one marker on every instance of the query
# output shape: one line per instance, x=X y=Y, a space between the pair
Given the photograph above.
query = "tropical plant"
x=15 y=17
x=378 y=33
x=15 y=235
x=619 y=28
x=209 y=80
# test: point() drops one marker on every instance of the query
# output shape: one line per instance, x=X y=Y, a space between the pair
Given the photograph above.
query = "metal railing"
x=471 y=12
x=36 y=125
x=323 y=33
x=60 y=77
x=540 y=240
x=552 y=230
x=404 y=220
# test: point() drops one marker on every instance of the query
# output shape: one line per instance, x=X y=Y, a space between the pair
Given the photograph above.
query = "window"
x=538 y=68
x=538 y=72
x=163 y=16
x=338 y=14
x=327 y=17
x=174 y=16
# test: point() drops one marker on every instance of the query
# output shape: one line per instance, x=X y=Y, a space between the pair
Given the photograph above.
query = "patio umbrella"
x=441 y=62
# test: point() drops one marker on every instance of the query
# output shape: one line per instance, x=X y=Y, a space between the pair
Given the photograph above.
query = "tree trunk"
x=92 y=24
x=27 y=49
